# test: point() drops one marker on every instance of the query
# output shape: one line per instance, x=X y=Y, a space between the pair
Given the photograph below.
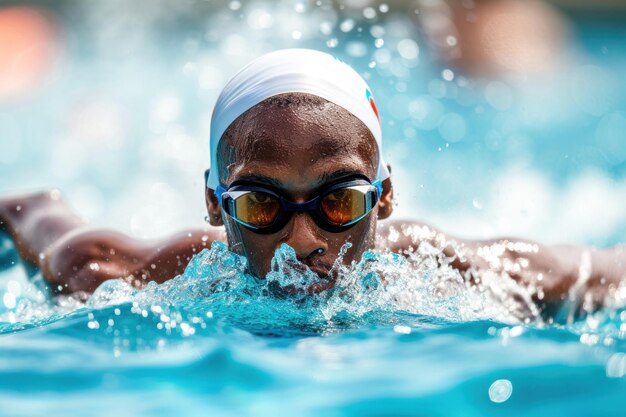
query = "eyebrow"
x=336 y=175
x=258 y=178
x=321 y=180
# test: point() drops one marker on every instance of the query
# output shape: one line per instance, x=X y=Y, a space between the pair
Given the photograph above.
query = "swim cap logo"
x=370 y=98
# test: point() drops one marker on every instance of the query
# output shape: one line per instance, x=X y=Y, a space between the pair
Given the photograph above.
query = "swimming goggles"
x=337 y=207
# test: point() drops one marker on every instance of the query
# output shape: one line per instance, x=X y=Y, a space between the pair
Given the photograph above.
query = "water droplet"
x=452 y=127
x=426 y=112
x=234 y=5
x=382 y=56
x=347 y=25
x=356 y=49
x=500 y=390
x=55 y=195
x=296 y=35
x=326 y=28
x=332 y=42
x=402 y=329
x=260 y=19
x=369 y=13
x=516 y=331
x=377 y=31
x=616 y=365
x=408 y=49
x=9 y=300
x=384 y=7
x=447 y=74
x=499 y=95
x=300 y=7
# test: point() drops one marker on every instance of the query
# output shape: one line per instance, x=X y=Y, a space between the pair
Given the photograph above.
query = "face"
x=298 y=147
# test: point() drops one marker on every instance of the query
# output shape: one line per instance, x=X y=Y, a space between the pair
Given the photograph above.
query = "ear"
x=212 y=205
x=385 y=203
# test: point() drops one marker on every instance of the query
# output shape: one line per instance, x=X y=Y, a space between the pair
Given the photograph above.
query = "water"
x=395 y=337
x=537 y=157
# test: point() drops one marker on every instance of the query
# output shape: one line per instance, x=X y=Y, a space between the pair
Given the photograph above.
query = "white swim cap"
x=294 y=71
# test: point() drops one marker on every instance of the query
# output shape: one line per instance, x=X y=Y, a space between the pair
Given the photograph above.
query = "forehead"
x=299 y=142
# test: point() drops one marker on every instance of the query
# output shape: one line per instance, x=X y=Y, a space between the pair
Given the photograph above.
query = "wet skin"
x=296 y=148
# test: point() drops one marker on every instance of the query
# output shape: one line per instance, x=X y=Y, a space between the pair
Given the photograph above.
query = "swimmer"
x=296 y=158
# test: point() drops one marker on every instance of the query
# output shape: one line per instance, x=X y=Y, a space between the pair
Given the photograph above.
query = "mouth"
x=321 y=286
x=326 y=278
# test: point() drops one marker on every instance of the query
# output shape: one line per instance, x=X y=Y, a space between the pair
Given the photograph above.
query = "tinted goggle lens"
x=346 y=205
x=255 y=208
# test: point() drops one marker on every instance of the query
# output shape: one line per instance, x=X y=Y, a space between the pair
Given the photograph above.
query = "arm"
x=74 y=256
x=557 y=273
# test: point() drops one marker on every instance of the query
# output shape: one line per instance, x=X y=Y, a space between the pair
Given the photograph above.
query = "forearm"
x=36 y=221
x=578 y=277
x=169 y=257
x=83 y=260
x=73 y=256
x=554 y=275
x=597 y=273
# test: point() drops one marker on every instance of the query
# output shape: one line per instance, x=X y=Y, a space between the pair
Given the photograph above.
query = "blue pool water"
x=119 y=124
x=216 y=341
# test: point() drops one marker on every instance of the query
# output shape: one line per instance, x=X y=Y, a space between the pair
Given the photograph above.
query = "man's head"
x=297 y=144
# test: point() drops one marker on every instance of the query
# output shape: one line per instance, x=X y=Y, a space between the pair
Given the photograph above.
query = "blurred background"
x=499 y=117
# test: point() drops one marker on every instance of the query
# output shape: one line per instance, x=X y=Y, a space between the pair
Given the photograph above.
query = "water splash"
x=216 y=285
x=217 y=281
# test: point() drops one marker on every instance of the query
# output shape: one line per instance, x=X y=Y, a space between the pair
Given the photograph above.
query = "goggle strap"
x=219 y=191
x=379 y=187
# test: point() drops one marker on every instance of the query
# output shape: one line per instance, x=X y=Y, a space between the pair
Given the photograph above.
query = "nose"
x=304 y=237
